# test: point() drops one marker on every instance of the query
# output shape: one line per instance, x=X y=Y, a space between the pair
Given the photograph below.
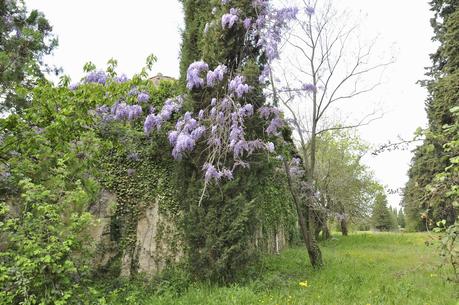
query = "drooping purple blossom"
x=193 y=76
x=237 y=87
x=183 y=144
x=121 y=79
x=188 y=132
x=133 y=91
x=211 y=172
x=309 y=87
x=264 y=75
x=247 y=23
x=228 y=20
x=246 y=110
x=134 y=112
x=143 y=97
x=275 y=124
x=156 y=120
x=152 y=121
x=287 y=13
x=74 y=86
x=266 y=111
x=310 y=10
x=270 y=147
x=98 y=77
x=216 y=75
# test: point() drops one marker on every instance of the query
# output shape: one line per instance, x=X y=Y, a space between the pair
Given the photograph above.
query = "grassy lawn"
x=365 y=268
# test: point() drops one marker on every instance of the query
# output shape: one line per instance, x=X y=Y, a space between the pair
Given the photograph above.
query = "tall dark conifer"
x=220 y=229
x=422 y=194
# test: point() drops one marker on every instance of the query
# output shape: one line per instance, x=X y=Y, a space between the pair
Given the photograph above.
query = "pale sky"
x=97 y=30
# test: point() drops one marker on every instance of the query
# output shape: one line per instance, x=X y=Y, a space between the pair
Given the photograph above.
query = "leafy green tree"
x=425 y=193
x=25 y=37
x=346 y=186
x=382 y=217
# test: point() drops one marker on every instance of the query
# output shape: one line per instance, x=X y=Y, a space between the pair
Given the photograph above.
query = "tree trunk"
x=315 y=255
x=317 y=229
x=343 y=223
x=325 y=231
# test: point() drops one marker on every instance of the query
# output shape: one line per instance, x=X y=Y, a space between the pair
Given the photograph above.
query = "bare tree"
x=323 y=64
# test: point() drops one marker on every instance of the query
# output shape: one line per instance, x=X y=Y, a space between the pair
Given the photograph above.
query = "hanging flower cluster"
x=156 y=120
x=220 y=126
x=120 y=111
x=98 y=77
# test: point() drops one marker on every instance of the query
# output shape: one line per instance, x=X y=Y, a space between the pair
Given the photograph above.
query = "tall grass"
x=379 y=268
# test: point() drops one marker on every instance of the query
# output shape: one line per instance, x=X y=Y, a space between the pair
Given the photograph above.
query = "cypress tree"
x=423 y=194
x=219 y=230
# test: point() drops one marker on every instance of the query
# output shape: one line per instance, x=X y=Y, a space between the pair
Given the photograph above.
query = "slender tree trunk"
x=343 y=224
x=325 y=231
x=315 y=255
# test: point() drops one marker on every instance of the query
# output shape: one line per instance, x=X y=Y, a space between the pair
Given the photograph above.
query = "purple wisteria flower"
x=211 y=172
x=183 y=139
x=228 y=20
x=134 y=112
x=74 y=86
x=98 y=77
x=270 y=147
x=121 y=79
x=122 y=111
x=152 y=121
x=309 y=87
x=156 y=120
x=143 y=97
x=264 y=75
x=247 y=23
x=287 y=13
x=216 y=75
x=237 y=87
x=246 y=110
x=275 y=124
x=193 y=74
x=310 y=10
x=133 y=91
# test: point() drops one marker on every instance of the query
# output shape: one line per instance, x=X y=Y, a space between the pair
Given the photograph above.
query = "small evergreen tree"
x=381 y=217
x=401 y=218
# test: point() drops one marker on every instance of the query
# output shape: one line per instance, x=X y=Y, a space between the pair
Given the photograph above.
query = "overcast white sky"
x=97 y=30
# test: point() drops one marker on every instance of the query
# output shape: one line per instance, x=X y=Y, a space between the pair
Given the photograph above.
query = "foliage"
x=347 y=187
x=370 y=268
x=449 y=247
x=25 y=37
x=434 y=170
x=55 y=161
x=48 y=185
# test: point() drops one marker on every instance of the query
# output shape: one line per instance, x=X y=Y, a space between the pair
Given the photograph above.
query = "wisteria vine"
x=220 y=126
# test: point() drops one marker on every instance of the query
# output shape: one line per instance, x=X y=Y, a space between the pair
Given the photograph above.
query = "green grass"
x=383 y=268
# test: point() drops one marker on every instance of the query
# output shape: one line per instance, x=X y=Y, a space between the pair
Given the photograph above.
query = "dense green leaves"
x=433 y=174
x=25 y=37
